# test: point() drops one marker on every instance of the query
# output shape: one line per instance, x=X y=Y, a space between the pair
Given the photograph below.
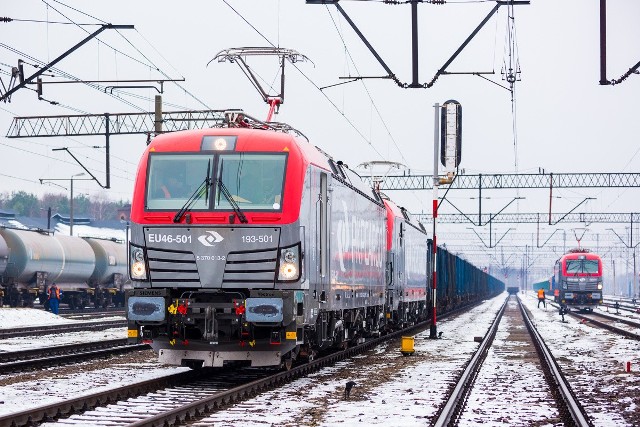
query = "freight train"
x=88 y=271
x=249 y=244
x=577 y=279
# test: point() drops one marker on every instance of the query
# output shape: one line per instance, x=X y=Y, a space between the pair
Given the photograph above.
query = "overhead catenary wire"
x=372 y=102
x=150 y=62
x=353 y=126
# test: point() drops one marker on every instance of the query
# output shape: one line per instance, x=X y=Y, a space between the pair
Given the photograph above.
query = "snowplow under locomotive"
x=250 y=244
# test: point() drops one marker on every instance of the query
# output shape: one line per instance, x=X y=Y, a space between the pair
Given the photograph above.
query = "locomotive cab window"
x=173 y=179
x=582 y=266
x=253 y=181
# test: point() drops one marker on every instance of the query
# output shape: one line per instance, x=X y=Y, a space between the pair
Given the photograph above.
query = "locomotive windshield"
x=172 y=179
x=254 y=180
x=575 y=266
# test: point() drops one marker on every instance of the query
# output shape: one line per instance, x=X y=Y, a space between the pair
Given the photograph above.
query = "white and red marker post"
x=433 y=330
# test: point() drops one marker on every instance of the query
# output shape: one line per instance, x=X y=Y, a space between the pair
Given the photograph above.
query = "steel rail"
x=33 y=416
x=74 y=354
x=58 y=350
x=63 y=327
x=210 y=404
x=453 y=406
x=557 y=379
x=607 y=326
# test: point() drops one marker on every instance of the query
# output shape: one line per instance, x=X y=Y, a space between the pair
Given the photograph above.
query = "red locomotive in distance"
x=578 y=279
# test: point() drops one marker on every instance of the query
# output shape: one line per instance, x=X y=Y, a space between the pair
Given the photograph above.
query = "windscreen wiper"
x=227 y=195
x=203 y=189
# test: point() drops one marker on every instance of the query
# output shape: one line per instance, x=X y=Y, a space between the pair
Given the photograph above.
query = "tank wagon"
x=270 y=251
x=88 y=271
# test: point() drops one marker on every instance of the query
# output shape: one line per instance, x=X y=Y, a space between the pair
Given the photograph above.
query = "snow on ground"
x=53 y=340
x=59 y=383
x=19 y=317
x=410 y=396
x=407 y=396
x=23 y=317
x=390 y=389
x=594 y=360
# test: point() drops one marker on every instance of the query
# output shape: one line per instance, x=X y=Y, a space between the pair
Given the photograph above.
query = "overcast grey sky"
x=566 y=121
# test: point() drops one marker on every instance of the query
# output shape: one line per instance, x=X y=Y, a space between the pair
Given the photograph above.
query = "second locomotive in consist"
x=250 y=244
x=577 y=276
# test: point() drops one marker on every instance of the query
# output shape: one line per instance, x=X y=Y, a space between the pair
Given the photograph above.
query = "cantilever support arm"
x=366 y=42
x=443 y=69
x=7 y=96
x=565 y=215
x=82 y=166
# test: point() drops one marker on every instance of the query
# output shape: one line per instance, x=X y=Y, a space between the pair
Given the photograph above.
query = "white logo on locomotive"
x=356 y=236
x=211 y=238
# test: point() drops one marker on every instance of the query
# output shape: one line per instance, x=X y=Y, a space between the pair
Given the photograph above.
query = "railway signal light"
x=450 y=134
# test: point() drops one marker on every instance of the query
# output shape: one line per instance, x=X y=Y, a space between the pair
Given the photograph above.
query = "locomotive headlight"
x=289 y=267
x=138 y=270
x=289 y=256
x=599 y=285
x=138 y=255
x=218 y=143
x=288 y=271
x=138 y=267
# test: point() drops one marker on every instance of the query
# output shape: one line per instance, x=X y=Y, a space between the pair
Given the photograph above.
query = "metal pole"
x=414 y=43
x=603 y=43
x=71 y=210
x=635 y=273
x=436 y=133
x=107 y=133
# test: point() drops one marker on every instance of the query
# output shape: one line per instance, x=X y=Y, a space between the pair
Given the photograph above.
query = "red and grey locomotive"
x=578 y=279
x=250 y=244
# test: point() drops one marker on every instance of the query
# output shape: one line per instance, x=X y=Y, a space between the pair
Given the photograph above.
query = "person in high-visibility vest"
x=54 y=298
x=556 y=295
x=541 y=298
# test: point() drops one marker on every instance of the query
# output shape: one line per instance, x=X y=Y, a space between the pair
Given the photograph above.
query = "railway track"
x=30 y=331
x=191 y=395
x=611 y=323
x=498 y=364
x=63 y=354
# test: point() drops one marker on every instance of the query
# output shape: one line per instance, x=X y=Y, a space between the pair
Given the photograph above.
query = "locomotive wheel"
x=287 y=363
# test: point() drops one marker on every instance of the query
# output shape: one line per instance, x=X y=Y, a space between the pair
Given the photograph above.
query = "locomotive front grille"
x=171 y=266
x=582 y=286
x=251 y=267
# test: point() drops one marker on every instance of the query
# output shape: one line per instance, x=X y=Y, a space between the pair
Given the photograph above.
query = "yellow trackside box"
x=407 y=346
